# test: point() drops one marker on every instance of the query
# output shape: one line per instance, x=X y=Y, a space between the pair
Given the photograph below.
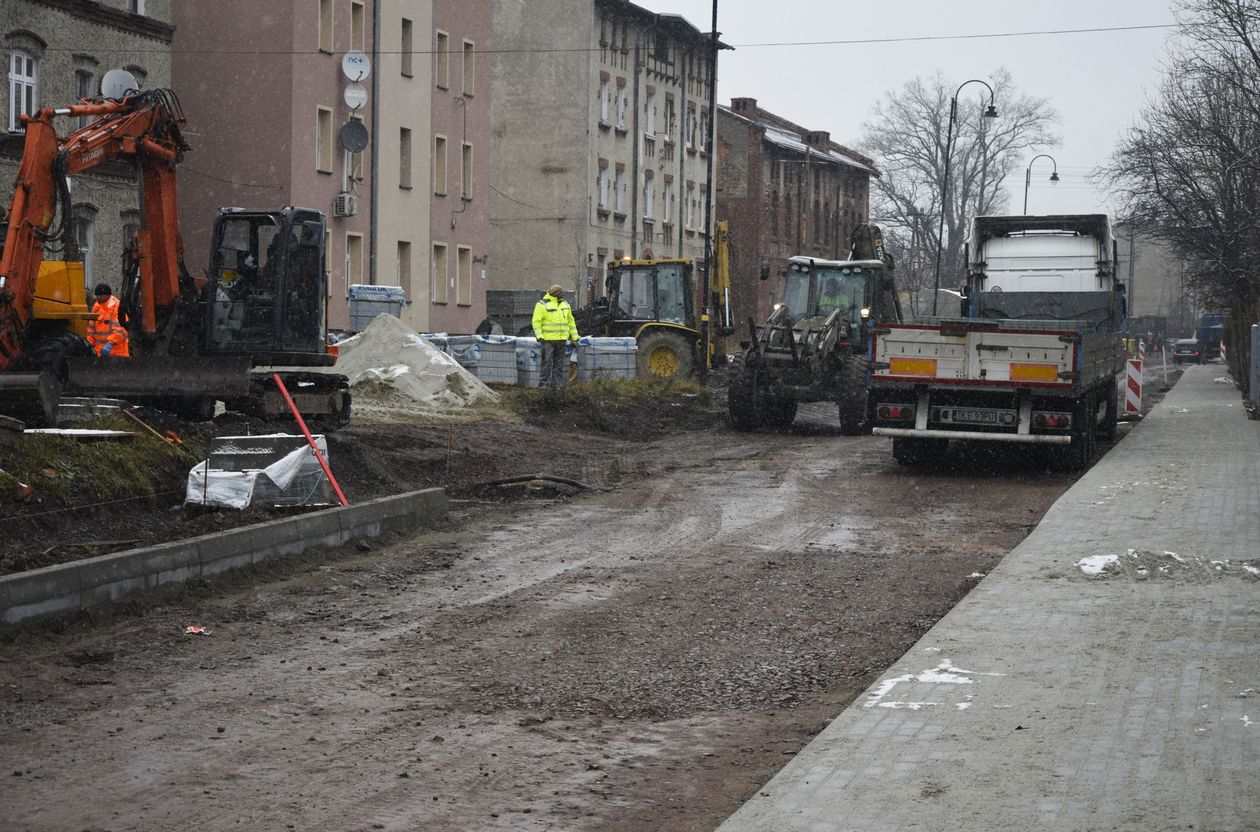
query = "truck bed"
x=1049 y=355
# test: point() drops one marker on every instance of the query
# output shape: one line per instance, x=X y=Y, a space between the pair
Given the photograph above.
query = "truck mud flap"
x=141 y=378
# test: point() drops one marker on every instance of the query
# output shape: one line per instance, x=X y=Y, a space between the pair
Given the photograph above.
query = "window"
x=691 y=206
x=135 y=6
x=441 y=54
x=466 y=172
x=407 y=47
x=667 y=202
x=704 y=130
x=470 y=68
x=463 y=276
x=404 y=268
x=357 y=39
x=323 y=140
x=84 y=88
x=439 y=275
x=774 y=213
x=604 y=97
x=691 y=128
x=354 y=259
x=21 y=87
x=623 y=101
x=404 y=158
x=439 y=165
x=671 y=118
x=619 y=191
x=325 y=25
x=601 y=186
x=649 y=198
x=649 y=115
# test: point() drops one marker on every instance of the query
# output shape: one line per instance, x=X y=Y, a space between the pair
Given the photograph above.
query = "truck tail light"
x=1052 y=421
x=896 y=412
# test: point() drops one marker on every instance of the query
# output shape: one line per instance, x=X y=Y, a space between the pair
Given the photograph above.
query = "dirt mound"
x=392 y=369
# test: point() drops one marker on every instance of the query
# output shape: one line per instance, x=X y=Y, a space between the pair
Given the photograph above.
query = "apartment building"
x=461 y=164
x=785 y=190
x=264 y=93
x=601 y=141
x=55 y=53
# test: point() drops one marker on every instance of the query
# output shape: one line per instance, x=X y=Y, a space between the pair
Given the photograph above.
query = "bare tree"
x=1189 y=170
x=906 y=136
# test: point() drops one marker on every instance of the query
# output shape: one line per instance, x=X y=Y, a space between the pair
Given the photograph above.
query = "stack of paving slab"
x=606 y=358
x=491 y=358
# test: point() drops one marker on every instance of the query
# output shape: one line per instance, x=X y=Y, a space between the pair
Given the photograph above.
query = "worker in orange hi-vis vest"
x=106 y=333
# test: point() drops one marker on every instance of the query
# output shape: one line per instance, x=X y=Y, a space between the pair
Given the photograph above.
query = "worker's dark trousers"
x=555 y=365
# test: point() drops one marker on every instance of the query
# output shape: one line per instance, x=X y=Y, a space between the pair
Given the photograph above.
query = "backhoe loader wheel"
x=854 y=396
x=666 y=354
x=744 y=400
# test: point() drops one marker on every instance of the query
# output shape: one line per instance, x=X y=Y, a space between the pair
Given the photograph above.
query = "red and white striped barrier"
x=1223 y=352
x=1141 y=351
x=1133 y=387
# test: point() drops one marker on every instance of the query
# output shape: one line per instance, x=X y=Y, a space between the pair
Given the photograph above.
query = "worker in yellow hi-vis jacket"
x=554 y=328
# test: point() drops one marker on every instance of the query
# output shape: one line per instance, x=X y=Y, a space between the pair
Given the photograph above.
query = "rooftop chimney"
x=744 y=105
x=818 y=138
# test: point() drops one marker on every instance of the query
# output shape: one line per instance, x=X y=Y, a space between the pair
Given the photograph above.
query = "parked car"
x=1188 y=351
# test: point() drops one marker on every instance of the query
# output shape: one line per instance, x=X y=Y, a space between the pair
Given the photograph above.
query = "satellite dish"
x=356 y=65
x=355 y=95
x=117 y=83
x=354 y=136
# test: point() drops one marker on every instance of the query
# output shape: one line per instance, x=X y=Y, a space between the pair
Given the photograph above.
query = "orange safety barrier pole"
x=310 y=440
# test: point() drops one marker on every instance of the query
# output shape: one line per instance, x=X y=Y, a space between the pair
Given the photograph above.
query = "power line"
x=768 y=44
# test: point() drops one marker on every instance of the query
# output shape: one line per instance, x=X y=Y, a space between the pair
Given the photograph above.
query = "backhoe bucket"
x=31 y=397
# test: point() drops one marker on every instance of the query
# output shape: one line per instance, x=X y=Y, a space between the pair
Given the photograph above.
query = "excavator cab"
x=266 y=290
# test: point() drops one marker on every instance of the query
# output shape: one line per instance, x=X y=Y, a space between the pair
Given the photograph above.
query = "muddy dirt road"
x=641 y=658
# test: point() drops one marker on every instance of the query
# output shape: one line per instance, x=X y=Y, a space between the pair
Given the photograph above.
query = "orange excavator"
x=193 y=341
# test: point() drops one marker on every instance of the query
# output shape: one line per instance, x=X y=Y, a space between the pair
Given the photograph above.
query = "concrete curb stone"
x=72 y=586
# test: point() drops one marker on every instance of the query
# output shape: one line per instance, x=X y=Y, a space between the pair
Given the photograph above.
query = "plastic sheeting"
x=291 y=477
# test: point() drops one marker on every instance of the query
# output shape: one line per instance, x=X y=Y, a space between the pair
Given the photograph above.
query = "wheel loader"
x=814 y=346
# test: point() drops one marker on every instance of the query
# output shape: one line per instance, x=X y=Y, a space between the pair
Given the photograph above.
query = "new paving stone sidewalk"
x=1105 y=676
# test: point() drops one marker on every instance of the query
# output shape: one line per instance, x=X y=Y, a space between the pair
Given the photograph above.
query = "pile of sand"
x=389 y=363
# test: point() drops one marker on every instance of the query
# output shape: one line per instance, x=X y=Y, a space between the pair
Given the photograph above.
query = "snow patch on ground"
x=1096 y=564
x=944 y=673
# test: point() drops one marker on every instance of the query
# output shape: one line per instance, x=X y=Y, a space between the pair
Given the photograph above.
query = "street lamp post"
x=1054 y=176
x=989 y=112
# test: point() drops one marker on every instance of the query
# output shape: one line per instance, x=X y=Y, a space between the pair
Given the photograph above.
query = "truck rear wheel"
x=1107 y=430
x=744 y=401
x=854 y=396
x=666 y=354
x=1079 y=453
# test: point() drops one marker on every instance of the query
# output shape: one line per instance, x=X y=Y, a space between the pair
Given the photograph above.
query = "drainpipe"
x=634 y=154
x=376 y=128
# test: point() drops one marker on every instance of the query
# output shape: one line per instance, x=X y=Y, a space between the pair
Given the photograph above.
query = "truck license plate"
x=976 y=417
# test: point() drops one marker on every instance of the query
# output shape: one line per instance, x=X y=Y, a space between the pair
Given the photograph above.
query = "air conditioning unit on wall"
x=345 y=205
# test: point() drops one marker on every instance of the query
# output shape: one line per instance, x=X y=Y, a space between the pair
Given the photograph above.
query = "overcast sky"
x=1096 y=82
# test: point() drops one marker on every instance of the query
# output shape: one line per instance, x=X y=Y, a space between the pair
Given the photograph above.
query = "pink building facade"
x=264 y=127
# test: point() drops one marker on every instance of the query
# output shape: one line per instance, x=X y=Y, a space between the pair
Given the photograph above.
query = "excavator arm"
x=143 y=128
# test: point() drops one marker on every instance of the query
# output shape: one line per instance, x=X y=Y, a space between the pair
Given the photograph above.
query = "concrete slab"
x=1103 y=676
